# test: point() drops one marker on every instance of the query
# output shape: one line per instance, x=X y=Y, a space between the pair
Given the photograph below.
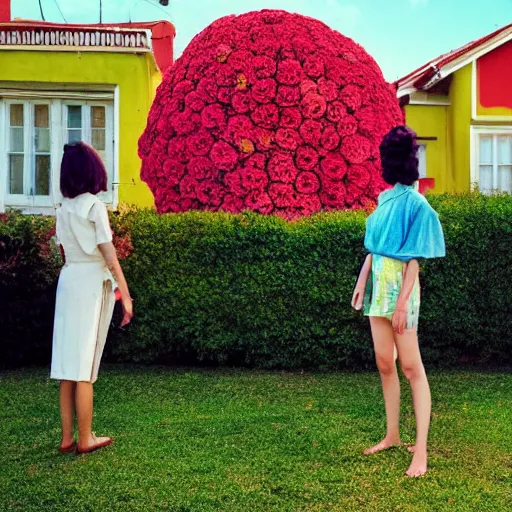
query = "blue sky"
x=400 y=34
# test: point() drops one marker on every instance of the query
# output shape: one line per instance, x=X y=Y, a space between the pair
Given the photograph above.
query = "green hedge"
x=255 y=290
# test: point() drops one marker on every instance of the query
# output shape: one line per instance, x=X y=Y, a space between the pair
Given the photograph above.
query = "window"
x=422 y=160
x=492 y=166
x=31 y=150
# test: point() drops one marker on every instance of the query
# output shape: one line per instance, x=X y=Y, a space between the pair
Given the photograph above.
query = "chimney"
x=5 y=11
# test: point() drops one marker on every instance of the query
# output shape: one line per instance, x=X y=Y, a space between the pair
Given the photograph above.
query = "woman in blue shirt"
x=402 y=229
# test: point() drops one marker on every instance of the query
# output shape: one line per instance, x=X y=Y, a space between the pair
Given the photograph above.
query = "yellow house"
x=63 y=83
x=460 y=106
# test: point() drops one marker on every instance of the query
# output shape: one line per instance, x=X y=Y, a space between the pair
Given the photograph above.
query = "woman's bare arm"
x=399 y=319
x=357 y=298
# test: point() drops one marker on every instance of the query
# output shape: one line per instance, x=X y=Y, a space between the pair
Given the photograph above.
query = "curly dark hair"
x=399 y=156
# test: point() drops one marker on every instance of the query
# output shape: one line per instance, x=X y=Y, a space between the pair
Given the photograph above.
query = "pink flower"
x=173 y=171
x=257 y=161
x=289 y=72
x=224 y=95
x=332 y=194
x=290 y=117
x=264 y=139
x=330 y=139
x=307 y=85
x=308 y=204
x=313 y=106
x=233 y=182
x=181 y=89
x=333 y=166
x=240 y=127
x=358 y=176
x=311 y=131
x=307 y=183
x=287 y=138
x=281 y=168
x=306 y=158
x=264 y=91
x=336 y=111
x=282 y=194
x=266 y=115
x=288 y=96
x=224 y=156
x=240 y=60
x=356 y=148
x=200 y=143
x=213 y=116
x=186 y=122
x=207 y=89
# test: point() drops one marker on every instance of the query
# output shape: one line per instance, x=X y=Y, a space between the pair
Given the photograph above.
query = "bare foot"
x=383 y=445
x=67 y=446
x=93 y=443
x=418 y=465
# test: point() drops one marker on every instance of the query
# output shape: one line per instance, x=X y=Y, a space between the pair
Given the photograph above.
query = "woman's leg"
x=84 y=408
x=385 y=355
x=67 y=411
x=412 y=366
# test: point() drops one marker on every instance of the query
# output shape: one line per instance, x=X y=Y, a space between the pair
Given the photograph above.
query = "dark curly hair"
x=399 y=156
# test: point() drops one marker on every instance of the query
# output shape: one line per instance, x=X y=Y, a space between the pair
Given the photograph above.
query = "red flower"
x=287 y=138
x=311 y=131
x=306 y=158
x=266 y=115
x=259 y=201
x=356 y=148
x=200 y=167
x=328 y=89
x=200 y=143
x=241 y=102
x=264 y=91
x=224 y=156
x=254 y=179
x=282 y=195
x=288 y=96
x=267 y=106
x=307 y=183
x=264 y=67
x=281 y=168
x=213 y=116
x=313 y=106
x=289 y=72
x=290 y=117
x=330 y=139
x=333 y=166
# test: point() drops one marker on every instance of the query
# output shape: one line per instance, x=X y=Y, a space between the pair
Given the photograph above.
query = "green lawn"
x=192 y=440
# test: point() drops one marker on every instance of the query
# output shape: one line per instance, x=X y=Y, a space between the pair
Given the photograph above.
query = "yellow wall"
x=136 y=76
x=430 y=121
x=448 y=157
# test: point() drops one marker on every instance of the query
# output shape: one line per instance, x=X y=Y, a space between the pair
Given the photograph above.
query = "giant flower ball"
x=272 y=112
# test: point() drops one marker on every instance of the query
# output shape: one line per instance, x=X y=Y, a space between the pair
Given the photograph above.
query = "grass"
x=193 y=440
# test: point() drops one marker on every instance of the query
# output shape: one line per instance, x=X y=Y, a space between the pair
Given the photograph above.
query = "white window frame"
x=475 y=133
x=58 y=135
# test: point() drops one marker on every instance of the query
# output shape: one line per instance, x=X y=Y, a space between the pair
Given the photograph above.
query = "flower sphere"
x=272 y=112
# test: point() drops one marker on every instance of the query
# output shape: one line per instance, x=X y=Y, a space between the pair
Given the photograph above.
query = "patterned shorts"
x=383 y=287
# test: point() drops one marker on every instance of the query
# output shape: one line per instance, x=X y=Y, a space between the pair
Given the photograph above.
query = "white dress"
x=85 y=293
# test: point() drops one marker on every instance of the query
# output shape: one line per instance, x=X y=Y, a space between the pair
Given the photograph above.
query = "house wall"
x=136 y=78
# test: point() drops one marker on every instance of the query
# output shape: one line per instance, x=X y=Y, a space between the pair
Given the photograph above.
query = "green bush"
x=255 y=290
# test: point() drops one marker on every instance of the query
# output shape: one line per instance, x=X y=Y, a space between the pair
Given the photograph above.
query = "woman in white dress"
x=85 y=293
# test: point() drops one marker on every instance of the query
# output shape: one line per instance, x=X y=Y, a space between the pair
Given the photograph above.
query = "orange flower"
x=241 y=82
x=246 y=146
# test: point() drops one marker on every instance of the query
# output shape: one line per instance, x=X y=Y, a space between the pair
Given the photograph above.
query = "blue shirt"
x=404 y=226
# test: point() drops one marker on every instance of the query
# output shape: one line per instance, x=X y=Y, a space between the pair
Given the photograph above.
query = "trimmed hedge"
x=255 y=290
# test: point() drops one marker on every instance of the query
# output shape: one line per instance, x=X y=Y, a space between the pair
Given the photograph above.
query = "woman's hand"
x=399 y=320
x=127 y=311
x=358 y=296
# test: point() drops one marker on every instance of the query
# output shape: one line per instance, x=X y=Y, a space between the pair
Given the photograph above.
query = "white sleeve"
x=98 y=215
